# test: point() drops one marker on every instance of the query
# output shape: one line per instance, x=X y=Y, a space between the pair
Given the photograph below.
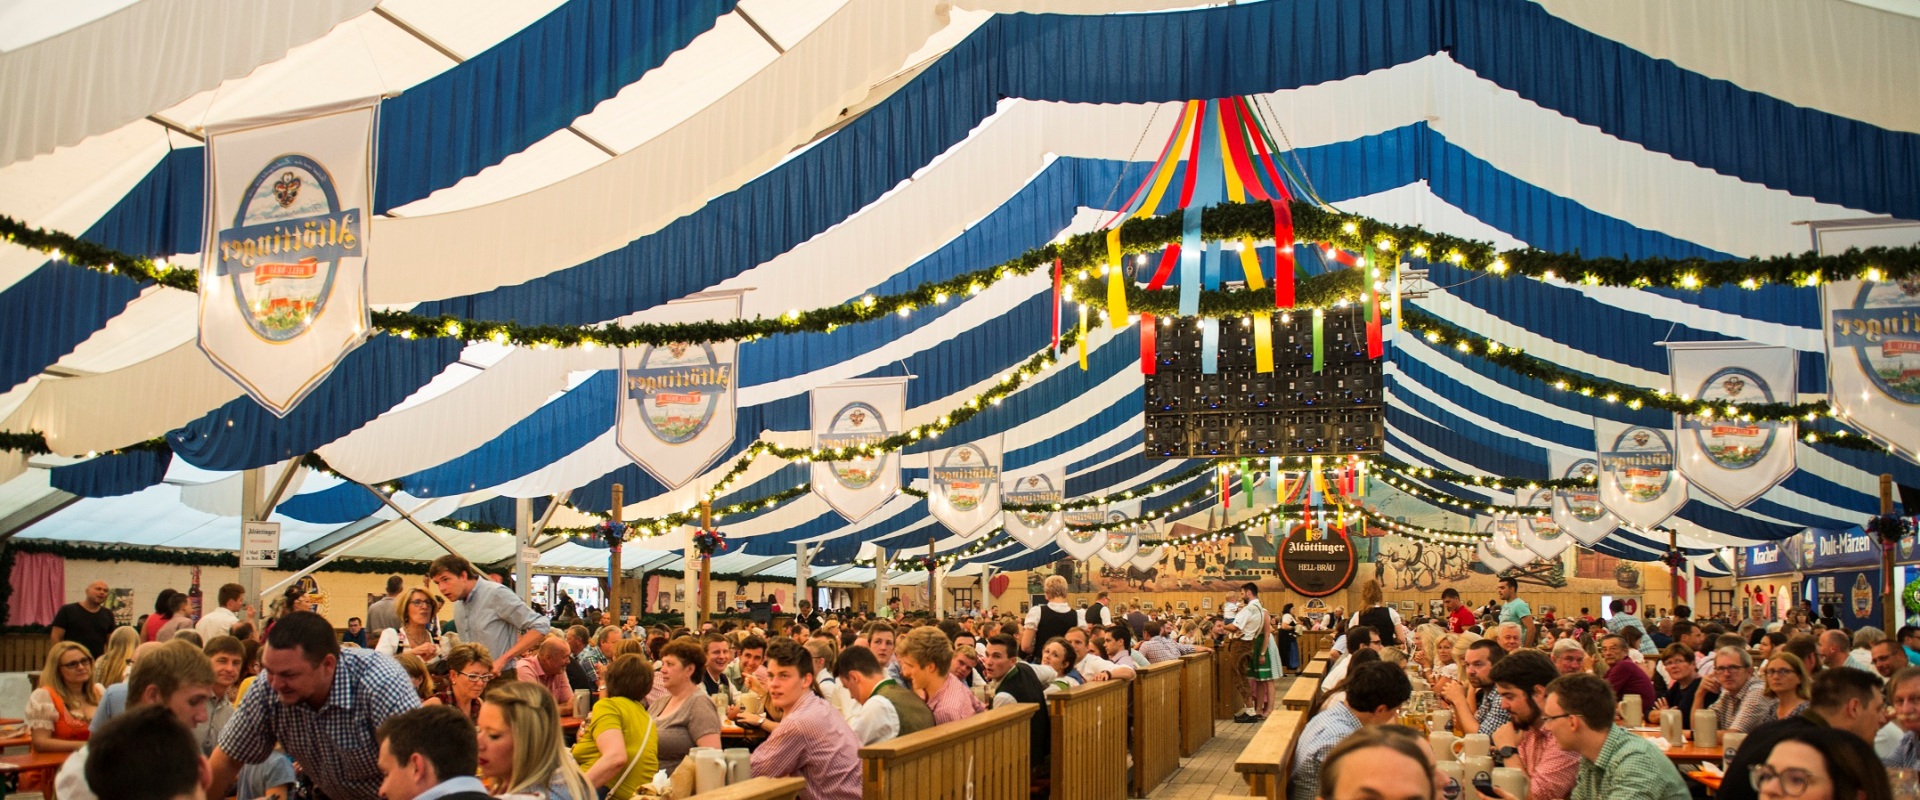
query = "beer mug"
x=1442 y=741
x=1477 y=768
x=1474 y=745
x=1456 y=775
x=1672 y=728
x=1630 y=711
x=1706 y=728
x=751 y=703
x=1730 y=745
x=1511 y=781
x=1441 y=720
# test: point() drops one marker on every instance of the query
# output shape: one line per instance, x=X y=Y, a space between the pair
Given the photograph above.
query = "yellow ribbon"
x=1161 y=181
x=1262 y=342
x=1116 y=282
x=1081 y=340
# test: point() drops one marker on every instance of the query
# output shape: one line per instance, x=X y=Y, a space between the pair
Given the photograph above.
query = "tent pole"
x=614 y=590
x=706 y=563
x=879 y=579
x=938 y=597
x=802 y=564
x=250 y=511
x=523 y=532
x=409 y=517
x=1890 y=603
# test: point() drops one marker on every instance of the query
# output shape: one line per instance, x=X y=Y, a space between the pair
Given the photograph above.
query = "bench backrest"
x=986 y=757
x=1156 y=704
x=757 y=789
x=1196 y=701
x=1089 y=742
x=1268 y=757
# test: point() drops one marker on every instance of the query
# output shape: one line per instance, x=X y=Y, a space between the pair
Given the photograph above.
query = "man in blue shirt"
x=487 y=613
x=1375 y=692
x=429 y=753
x=1620 y=620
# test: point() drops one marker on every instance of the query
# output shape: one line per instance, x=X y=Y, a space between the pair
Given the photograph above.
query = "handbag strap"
x=633 y=759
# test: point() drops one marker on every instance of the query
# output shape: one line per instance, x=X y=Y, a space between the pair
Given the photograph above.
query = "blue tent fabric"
x=113 y=475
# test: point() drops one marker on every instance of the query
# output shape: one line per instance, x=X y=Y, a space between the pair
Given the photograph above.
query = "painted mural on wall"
x=1205 y=566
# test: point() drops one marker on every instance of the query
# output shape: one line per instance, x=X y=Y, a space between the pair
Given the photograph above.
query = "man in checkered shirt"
x=323 y=706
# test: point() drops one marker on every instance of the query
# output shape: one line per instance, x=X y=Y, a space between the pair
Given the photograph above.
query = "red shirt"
x=1460 y=619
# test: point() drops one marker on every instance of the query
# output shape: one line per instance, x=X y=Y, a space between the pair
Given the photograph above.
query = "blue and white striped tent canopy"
x=581 y=161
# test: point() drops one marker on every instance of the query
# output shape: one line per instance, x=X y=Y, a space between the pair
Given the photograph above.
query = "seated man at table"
x=926 y=658
x=1626 y=677
x=812 y=742
x=146 y=754
x=1843 y=699
x=175 y=676
x=548 y=669
x=1093 y=666
x=1615 y=764
x=1375 y=692
x=1523 y=743
x=1010 y=681
x=887 y=709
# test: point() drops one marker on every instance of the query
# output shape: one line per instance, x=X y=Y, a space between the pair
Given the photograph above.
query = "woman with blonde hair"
x=111 y=667
x=419 y=631
x=60 y=712
x=1376 y=614
x=422 y=679
x=522 y=755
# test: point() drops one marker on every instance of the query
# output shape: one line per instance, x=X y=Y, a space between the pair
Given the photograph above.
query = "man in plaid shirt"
x=324 y=708
x=813 y=741
x=1520 y=680
x=1160 y=647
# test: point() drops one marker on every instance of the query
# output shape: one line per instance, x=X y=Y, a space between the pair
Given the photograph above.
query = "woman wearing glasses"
x=1821 y=764
x=469 y=670
x=60 y=712
x=419 y=632
x=1786 y=695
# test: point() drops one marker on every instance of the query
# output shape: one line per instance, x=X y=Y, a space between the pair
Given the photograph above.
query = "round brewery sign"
x=857 y=425
x=1316 y=567
x=286 y=241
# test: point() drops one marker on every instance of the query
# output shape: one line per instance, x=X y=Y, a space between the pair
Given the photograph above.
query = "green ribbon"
x=1319 y=341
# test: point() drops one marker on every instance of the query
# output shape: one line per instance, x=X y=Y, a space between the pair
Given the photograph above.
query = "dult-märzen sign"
x=1316 y=567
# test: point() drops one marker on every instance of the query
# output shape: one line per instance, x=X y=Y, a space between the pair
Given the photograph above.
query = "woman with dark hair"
x=684 y=719
x=175 y=618
x=1383 y=762
x=618 y=747
x=162 y=611
x=1284 y=628
x=1820 y=763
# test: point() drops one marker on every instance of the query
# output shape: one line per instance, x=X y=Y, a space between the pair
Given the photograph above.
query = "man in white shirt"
x=1359 y=637
x=887 y=709
x=1250 y=623
x=220 y=621
x=1091 y=666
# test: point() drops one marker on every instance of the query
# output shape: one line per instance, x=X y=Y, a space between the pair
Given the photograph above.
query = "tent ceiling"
x=970 y=183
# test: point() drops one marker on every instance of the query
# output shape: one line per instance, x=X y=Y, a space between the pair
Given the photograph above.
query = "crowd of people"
x=403 y=705
x=1825 y=712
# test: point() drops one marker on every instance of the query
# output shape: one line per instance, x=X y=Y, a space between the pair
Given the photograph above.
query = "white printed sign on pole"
x=676 y=401
x=260 y=544
x=1034 y=529
x=963 y=486
x=846 y=417
x=1734 y=460
x=1638 y=481
x=283 y=281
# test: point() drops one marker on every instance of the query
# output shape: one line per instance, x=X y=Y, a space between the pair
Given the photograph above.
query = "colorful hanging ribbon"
x=1058 y=283
x=1319 y=340
x=1370 y=303
x=1149 y=360
x=1116 y=282
x=1081 y=341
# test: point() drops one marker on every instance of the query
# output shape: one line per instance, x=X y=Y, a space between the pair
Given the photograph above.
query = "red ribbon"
x=1056 y=306
x=1147 y=361
x=1169 y=259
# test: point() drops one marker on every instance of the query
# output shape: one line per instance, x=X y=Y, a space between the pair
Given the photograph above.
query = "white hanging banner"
x=283 y=284
x=1873 y=358
x=1121 y=544
x=1505 y=530
x=1578 y=511
x=1638 y=482
x=1034 y=529
x=1538 y=530
x=963 y=487
x=847 y=416
x=1074 y=539
x=1733 y=460
x=1148 y=556
x=676 y=401
x=1492 y=560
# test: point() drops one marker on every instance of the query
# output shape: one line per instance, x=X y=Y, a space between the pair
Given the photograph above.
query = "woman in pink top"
x=926 y=655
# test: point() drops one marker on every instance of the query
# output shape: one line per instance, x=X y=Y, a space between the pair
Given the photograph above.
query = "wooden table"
x=1689 y=751
x=571 y=724
x=43 y=764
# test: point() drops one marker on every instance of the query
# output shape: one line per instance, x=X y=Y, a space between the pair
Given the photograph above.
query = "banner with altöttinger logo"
x=1075 y=539
x=1577 y=510
x=676 y=401
x=1034 y=529
x=1873 y=358
x=1638 y=479
x=1120 y=545
x=1734 y=460
x=846 y=417
x=963 y=486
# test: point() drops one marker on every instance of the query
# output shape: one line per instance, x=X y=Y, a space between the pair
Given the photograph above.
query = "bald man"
x=548 y=668
x=87 y=623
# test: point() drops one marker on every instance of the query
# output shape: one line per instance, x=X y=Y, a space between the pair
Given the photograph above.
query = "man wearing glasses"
x=1732 y=682
x=1615 y=764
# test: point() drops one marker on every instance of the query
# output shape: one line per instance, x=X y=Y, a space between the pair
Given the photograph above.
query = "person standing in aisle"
x=488 y=613
x=1515 y=610
x=87 y=623
x=1263 y=661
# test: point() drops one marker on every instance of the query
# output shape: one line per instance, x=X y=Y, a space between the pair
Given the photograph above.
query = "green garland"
x=1224 y=222
x=1405 y=484
x=1495 y=482
x=1443 y=334
x=289 y=561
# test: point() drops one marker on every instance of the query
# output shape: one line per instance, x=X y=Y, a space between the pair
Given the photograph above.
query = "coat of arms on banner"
x=283 y=282
x=1120 y=548
x=1578 y=510
x=1490 y=559
x=846 y=417
x=1638 y=482
x=1033 y=529
x=1504 y=530
x=1873 y=358
x=1538 y=530
x=676 y=401
x=965 y=486
x=1734 y=461
x=1075 y=539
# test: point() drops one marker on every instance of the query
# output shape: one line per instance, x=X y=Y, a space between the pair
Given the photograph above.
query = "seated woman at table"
x=419 y=631
x=522 y=755
x=685 y=718
x=1820 y=763
x=1682 y=681
x=469 y=670
x=813 y=741
x=60 y=713
x=1056 y=656
x=422 y=678
x=618 y=746
x=1786 y=693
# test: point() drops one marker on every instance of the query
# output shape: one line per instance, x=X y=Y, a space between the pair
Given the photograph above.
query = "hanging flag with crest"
x=846 y=417
x=283 y=282
x=676 y=401
x=1492 y=560
x=1148 y=556
x=1734 y=460
x=1505 y=530
x=1538 y=531
x=1577 y=510
x=1034 y=529
x=1121 y=544
x=1076 y=538
x=963 y=490
x=1873 y=358
x=1638 y=481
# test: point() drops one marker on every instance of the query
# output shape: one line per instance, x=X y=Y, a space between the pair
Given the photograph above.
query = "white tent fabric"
x=144 y=57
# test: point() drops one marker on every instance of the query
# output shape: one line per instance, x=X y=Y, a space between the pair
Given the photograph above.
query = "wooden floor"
x=1210 y=771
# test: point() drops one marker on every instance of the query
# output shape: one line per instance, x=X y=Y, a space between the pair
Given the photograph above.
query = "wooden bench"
x=1229 y=682
x=758 y=789
x=1315 y=670
x=1156 y=702
x=1324 y=656
x=1089 y=741
x=987 y=756
x=1196 y=701
x=1299 y=697
x=1268 y=757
